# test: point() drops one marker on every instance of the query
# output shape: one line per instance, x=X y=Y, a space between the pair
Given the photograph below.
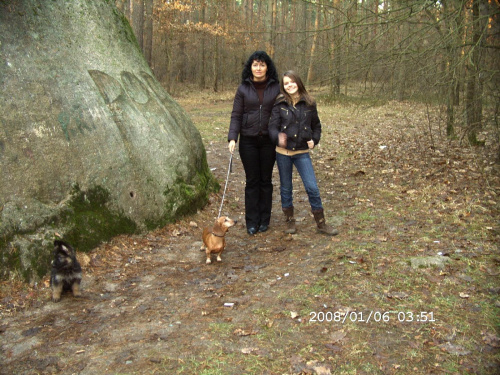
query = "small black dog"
x=66 y=273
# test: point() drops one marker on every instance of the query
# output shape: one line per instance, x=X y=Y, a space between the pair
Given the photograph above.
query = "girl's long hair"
x=301 y=89
x=263 y=57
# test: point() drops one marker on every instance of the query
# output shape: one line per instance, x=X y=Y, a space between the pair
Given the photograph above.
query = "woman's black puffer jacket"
x=249 y=117
x=300 y=123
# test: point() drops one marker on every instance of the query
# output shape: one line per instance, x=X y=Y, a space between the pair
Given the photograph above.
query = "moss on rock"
x=91 y=221
x=184 y=198
x=85 y=221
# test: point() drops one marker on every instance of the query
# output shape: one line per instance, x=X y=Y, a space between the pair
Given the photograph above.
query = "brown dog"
x=213 y=240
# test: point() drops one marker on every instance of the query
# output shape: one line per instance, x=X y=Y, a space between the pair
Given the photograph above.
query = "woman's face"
x=259 y=70
x=290 y=86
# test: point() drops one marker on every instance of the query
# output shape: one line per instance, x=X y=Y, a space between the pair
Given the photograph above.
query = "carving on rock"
x=144 y=123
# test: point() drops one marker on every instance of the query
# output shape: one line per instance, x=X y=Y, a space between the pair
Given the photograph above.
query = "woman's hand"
x=282 y=139
x=231 y=146
x=310 y=144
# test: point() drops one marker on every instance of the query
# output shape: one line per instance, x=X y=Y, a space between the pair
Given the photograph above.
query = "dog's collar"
x=217 y=235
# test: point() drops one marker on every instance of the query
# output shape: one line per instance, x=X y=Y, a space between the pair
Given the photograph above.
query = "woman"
x=295 y=129
x=252 y=107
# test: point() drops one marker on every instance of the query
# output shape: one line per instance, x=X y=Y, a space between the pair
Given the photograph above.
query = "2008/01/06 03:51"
x=376 y=316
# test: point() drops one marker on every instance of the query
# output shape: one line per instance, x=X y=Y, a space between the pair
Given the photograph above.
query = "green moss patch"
x=183 y=198
x=91 y=221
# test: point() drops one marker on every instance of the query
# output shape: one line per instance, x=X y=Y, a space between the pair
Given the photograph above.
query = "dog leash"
x=225 y=186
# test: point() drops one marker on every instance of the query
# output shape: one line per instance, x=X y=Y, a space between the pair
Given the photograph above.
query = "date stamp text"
x=371 y=316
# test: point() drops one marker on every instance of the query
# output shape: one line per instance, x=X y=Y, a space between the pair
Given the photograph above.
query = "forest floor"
x=409 y=286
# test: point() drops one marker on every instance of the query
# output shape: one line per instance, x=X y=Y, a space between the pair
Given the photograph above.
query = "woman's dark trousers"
x=258 y=155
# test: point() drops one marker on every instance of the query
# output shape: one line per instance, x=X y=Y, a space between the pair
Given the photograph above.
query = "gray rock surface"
x=431 y=261
x=90 y=143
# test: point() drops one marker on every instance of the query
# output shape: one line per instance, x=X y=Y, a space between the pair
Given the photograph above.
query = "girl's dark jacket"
x=249 y=117
x=300 y=123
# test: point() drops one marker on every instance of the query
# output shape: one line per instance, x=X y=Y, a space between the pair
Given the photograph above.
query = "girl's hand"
x=231 y=146
x=310 y=144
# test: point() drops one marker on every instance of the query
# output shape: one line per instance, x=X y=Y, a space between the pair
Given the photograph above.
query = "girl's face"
x=259 y=70
x=290 y=86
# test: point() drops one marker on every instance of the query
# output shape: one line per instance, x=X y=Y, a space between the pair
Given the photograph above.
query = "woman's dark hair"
x=261 y=56
x=301 y=89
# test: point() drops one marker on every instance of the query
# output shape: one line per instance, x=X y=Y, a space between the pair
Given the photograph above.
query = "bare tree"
x=137 y=15
x=446 y=51
x=473 y=96
x=148 y=31
x=314 y=42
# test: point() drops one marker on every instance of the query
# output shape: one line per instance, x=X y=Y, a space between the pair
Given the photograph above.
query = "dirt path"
x=302 y=304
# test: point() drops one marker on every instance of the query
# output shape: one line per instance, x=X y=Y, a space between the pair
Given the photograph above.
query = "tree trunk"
x=402 y=70
x=216 y=65
x=474 y=91
x=313 y=45
x=453 y=19
x=148 y=32
x=203 y=47
x=272 y=27
x=301 y=47
x=137 y=12
x=124 y=7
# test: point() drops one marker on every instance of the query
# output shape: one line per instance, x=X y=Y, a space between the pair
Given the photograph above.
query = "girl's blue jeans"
x=304 y=166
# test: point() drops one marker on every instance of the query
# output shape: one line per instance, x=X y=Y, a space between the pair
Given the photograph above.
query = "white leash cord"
x=225 y=186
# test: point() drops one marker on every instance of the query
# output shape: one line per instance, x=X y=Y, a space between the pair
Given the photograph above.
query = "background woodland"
x=441 y=52
x=407 y=92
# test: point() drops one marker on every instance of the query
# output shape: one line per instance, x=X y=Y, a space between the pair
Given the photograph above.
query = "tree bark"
x=137 y=12
x=148 y=32
x=474 y=91
x=203 y=46
x=313 y=45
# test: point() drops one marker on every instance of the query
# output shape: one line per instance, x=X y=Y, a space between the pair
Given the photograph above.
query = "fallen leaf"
x=319 y=369
x=454 y=349
x=397 y=295
x=491 y=339
x=84 y=259
x=249 y=350
x=241 y=332
x=333 y=347
x=338 y=336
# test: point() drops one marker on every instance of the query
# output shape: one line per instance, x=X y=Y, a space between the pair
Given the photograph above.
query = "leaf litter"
x=396 y=193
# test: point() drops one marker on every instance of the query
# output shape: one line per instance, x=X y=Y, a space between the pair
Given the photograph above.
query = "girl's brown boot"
x=290 y=220
x=319 y=216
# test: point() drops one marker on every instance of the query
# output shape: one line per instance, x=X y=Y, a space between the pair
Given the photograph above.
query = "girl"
x=295 y=129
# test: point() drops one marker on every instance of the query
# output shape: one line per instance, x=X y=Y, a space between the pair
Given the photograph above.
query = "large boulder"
x=90 y=144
